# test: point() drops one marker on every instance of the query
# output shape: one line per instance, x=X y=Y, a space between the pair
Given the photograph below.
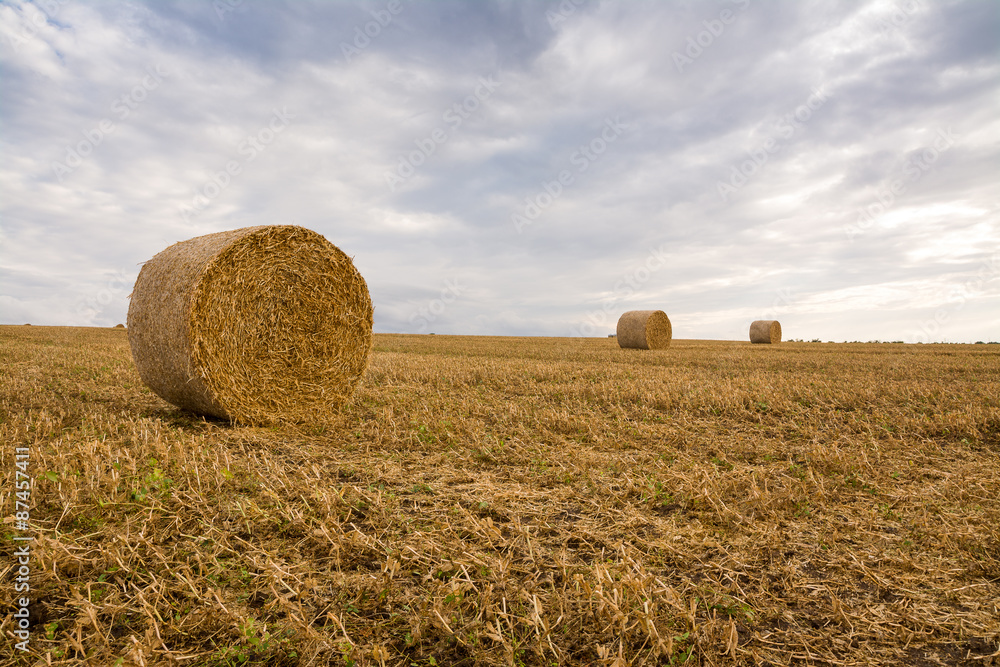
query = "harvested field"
x=513 y=501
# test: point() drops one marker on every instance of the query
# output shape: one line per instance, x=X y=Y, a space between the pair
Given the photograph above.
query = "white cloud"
x=890 y=91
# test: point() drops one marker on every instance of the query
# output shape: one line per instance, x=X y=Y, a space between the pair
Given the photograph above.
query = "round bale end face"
x=765 y=331
x=644 y=330
x=258 y=325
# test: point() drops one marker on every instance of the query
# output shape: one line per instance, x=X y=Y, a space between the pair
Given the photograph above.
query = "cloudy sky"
x=520 y=168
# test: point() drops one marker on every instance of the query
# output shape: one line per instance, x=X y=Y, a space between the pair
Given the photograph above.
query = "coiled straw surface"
x=765 y=331
x=644 y=330
x=257 y=325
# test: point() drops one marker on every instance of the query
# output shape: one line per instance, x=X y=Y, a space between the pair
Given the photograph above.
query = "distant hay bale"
x=765 y=331
x=644 y=330
x=257 y=325
x=119 y=326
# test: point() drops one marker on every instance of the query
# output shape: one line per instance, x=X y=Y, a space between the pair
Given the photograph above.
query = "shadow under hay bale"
x=644 y=330
x=765 y=331
x=257 y=325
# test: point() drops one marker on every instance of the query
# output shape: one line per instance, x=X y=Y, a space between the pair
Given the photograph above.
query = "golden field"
x=516 y=501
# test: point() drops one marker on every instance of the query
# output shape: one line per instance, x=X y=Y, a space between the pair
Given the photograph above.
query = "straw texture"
x=765 y=331
x=644 y=330
x=257 y=325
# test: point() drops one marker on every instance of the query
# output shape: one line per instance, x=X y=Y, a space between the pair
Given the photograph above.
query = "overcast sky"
x=521 y=168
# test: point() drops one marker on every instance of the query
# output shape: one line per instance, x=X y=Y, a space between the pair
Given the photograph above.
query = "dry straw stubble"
x=765 y=331
x=644 y=330
x=587 y=501
x=258 y=325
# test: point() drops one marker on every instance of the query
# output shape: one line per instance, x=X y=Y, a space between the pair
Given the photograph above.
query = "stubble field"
x=516 y=501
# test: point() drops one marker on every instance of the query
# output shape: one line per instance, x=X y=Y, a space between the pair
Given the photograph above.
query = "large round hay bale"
x=644 y=330
x=765 y=331
x=257 y=325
